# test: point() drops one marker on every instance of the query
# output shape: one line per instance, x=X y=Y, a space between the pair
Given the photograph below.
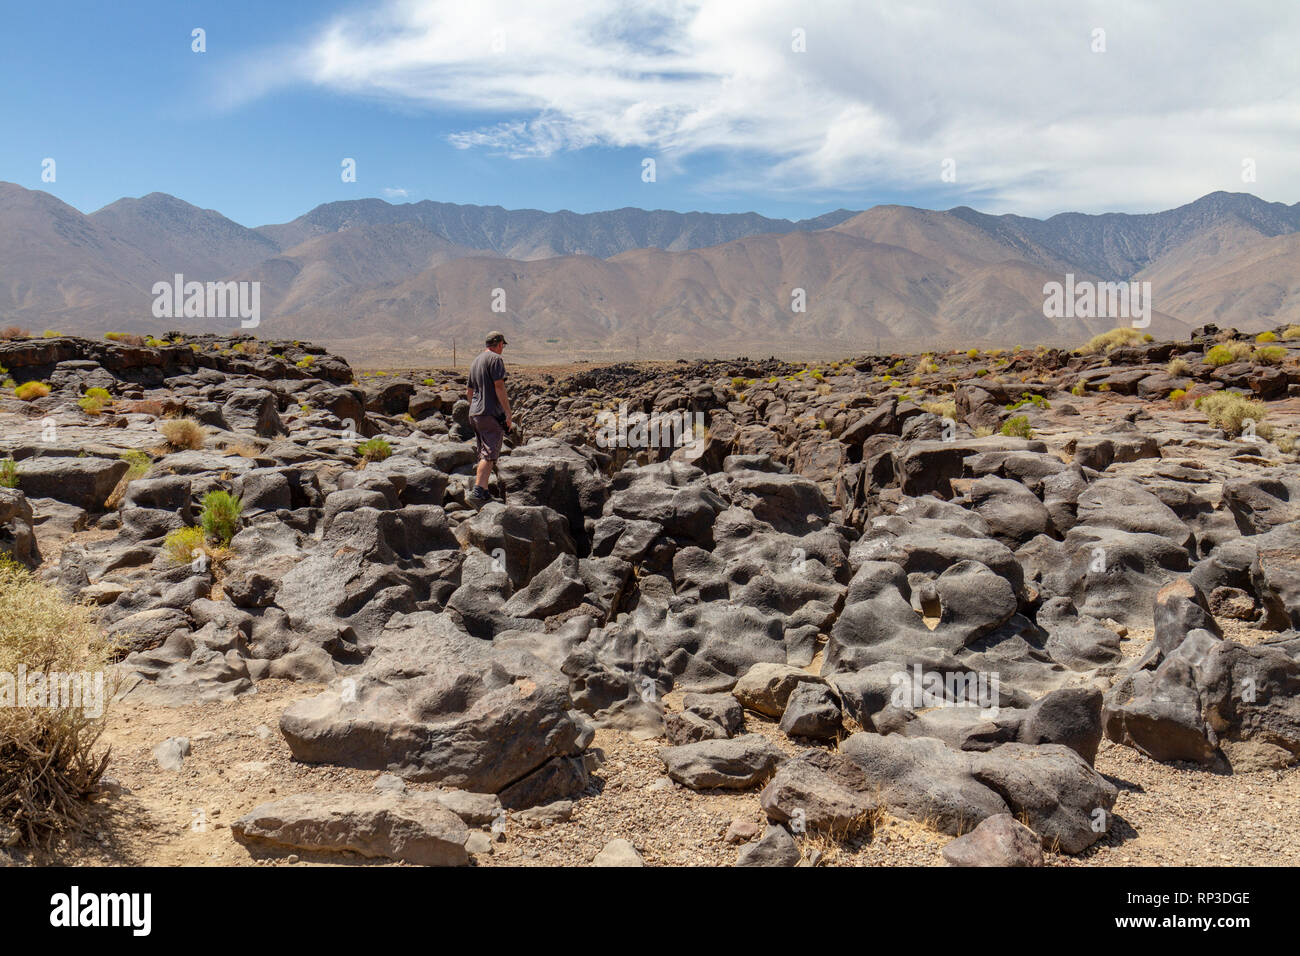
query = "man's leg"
x=489 y=435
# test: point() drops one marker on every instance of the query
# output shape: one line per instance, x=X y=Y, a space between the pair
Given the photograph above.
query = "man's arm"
x=504 y=399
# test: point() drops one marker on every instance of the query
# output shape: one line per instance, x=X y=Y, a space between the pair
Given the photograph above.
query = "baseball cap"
x=494 y=337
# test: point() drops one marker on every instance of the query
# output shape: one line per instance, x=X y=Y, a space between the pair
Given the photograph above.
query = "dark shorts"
x=490 y=435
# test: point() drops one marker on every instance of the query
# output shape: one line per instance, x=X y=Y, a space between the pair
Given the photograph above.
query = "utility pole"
x=453 y=353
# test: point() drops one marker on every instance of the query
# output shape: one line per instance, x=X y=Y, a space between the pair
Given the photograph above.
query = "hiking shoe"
x=478 y=497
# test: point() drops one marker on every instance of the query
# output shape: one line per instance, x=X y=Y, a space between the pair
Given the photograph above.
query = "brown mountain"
x=377 y=278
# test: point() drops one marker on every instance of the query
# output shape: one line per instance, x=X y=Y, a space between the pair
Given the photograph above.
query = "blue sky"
x=555 y=105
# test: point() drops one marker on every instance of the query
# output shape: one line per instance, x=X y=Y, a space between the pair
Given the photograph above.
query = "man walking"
x=489 y=412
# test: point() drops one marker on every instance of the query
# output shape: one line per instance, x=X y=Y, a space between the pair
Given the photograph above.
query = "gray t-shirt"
x=484 y=373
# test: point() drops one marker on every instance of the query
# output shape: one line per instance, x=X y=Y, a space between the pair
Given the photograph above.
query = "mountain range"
x=395 y=280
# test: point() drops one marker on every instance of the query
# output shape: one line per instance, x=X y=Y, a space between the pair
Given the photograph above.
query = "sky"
x=782 y=108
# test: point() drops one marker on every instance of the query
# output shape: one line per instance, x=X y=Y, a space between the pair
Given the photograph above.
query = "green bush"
x=181 y=544
x=374 y=449
x=1017 y=426
x=1225 y=353
x=220 y=516
x=1027 y=398
x=138 y=461
x=8 y=473
x=1269 y=355
x=1266 y=337
x=1229 y=411
x=30 y=391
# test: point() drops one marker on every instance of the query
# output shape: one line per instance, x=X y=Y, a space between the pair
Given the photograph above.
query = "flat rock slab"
x=414 y=828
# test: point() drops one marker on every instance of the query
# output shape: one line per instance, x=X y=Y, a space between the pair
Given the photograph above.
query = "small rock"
x=776 y=848
x=741 y=831
x=999 y=840
x=171 y=753
x=545 y=815
x=390 y=783
x=478 y=843
x=618 y=853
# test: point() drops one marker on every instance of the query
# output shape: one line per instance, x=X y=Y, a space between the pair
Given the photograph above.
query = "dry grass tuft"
x=49 y=765
x=182 y=433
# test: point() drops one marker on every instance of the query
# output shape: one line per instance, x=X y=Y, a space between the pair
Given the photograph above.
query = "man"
x=489 y=412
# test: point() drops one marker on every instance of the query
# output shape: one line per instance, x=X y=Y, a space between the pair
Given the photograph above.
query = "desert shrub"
x=49 y=764
x=1079 y=388
x=973 y=353
x=1230 y=410
x=124 y=338
x=1177 y=395
x=1225 y=353
x=181 y=544
x=428 y=381
x=93 y=402
x=1017 y=426
x=14 y=332
x=927 y=366
x=1266 y=337
x=8 y=473
x=247 y=348
x=51 y=334
x=220 y=516
x=1026 y=398
x=946 y=409
x=138 y=463
x=983 y=431
x=981 y=372
x=307 y=361
x=30 y=391
x=182 y=433
x=1291 y=332
x=374 y=449
x=1110 y=340
x=1269 y=355
x=1178 y=367
x=155 y=343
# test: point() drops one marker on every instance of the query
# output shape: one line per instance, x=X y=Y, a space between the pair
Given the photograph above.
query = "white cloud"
x=1012 y=91
x=393 y=192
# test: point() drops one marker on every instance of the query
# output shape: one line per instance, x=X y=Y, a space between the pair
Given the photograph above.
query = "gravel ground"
x=1167 y=815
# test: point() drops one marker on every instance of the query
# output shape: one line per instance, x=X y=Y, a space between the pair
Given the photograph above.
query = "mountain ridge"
x=369 y=272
